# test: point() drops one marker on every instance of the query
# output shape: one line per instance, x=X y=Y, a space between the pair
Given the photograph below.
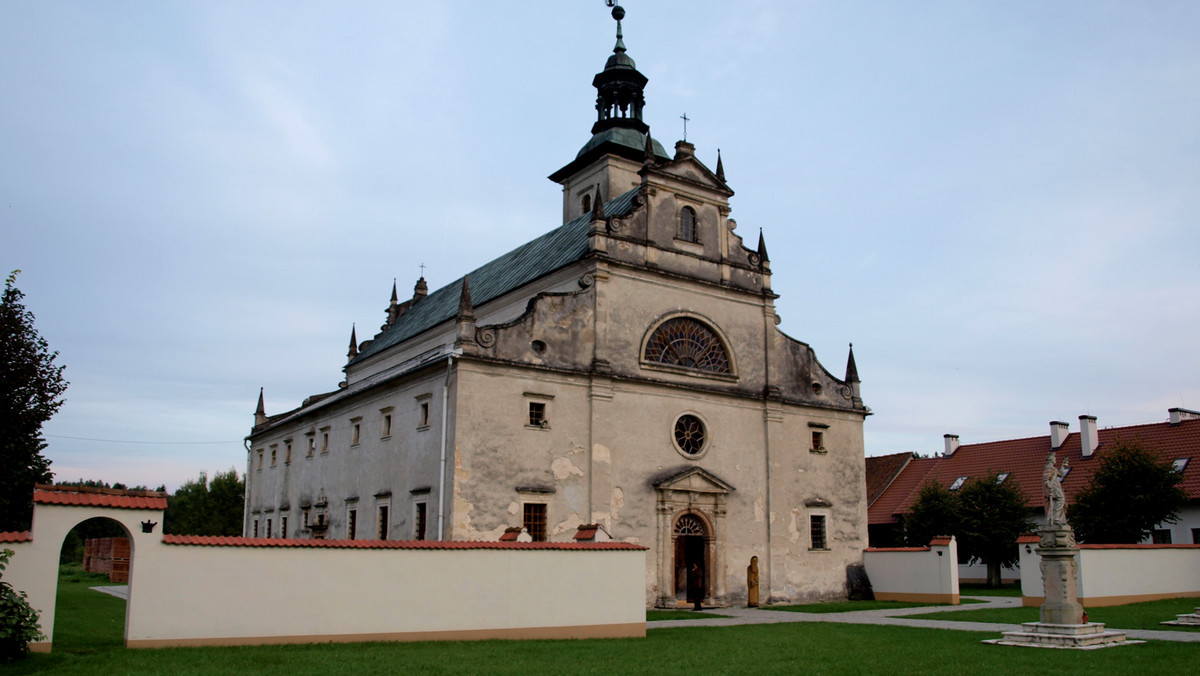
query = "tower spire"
x=721 y=169
x=260 y=413
x=353 y=344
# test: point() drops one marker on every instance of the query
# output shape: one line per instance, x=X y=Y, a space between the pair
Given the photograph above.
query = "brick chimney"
x=951 y=443
x=1058 y=434
x=1087 y=435
x=1178 y=415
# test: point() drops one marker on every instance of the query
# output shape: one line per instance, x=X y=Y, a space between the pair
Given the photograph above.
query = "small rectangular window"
x=534 y=520
x=387 y=425
x=537 y=414
x=419 y=522
x=324 y=439
x=1162 y=536
x=305 y=514
x=355 y=431
x=268 y=532
x=958 y=483
x=283 y=527
x=816 y=524
x=1196 y=536
x=351 y=524
x=312 y=445
x=382 y=527
x=254 y=533
x=423 y=411
x=287 y=453
x=274 y=453
x=260 y=459
x=818 y=441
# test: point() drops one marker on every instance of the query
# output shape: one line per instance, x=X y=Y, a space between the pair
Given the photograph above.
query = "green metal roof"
x=556 y=249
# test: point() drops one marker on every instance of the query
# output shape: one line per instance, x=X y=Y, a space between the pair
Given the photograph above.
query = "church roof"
x=559 y=247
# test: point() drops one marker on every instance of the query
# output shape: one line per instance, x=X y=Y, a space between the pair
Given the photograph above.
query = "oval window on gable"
x=686 y=342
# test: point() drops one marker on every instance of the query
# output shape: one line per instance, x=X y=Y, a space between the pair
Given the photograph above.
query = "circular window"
x=690 y=435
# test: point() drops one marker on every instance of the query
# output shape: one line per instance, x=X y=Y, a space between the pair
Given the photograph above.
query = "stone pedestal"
x=1062 y=623
x=1060 y=575
x=1185 y=620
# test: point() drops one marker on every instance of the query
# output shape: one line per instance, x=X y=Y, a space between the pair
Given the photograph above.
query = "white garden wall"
x=924 y=574
x=1112 y=575
x=186 y=590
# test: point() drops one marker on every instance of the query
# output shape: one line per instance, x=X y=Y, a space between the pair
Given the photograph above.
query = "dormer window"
x=958 y=483
x=687 y=225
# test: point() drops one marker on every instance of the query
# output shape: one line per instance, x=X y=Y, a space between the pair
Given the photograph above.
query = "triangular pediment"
x=692 y=171
x=693 y=480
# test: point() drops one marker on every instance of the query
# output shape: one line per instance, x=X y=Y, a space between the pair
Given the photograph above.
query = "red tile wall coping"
x=1028 y=539
x=941 y=541
x=65 y=488
x=897 y=549
x=21 y=536
x=224 y=541
x=66 y=496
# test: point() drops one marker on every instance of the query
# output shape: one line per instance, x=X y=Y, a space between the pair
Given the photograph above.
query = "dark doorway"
x=691 y=548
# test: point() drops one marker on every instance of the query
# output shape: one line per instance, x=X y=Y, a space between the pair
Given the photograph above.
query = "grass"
x=813 y=648
x=658 y=615
x=977 y=589
x=1133 y=616
x=851 y=606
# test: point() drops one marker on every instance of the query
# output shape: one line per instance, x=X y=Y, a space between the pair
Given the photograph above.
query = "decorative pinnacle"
x=618 y=13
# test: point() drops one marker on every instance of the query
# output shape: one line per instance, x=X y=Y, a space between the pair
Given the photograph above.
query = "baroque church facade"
x=624 y=369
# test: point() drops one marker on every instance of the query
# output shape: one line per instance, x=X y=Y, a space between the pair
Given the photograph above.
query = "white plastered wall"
x=1118 y=574
x=925 y=574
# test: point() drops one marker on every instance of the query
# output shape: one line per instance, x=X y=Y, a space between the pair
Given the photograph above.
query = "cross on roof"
x=685 y=119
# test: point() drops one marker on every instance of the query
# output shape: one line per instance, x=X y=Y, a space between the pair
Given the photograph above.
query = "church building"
x=623 y=371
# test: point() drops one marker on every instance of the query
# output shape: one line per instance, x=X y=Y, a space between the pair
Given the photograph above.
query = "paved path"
x=121 y=592
x=900 y=617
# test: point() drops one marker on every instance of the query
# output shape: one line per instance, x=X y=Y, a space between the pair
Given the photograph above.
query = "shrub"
x=18 y=620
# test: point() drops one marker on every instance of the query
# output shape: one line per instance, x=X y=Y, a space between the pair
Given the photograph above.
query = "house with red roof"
x=893 y=481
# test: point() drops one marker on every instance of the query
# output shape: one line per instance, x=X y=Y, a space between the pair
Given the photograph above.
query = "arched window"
x=585 y=203
x=687 y=225
x=683 y=341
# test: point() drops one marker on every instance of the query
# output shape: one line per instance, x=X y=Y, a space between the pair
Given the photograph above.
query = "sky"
x=998 y=203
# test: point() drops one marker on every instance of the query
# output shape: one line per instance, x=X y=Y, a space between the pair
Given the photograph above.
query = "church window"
x=382 y=526
x=585 y=204
x=355 y=431
x=283 y=526
x=419 y=521
x=690 y=524
x=386 y=429
x=816 y=529
x=687 y=225
x=690 y=434
x=534 y=520
x=423 y=411
x=351 y=524
x=687 y=342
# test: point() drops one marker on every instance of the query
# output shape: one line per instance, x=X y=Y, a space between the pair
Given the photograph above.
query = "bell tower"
x=608 y=163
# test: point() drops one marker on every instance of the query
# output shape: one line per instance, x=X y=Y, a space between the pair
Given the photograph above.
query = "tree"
x=993 y=513
x=985 y=516
x=31 y=388
x=203 y=507
x=1133 y=490
x=934 y=513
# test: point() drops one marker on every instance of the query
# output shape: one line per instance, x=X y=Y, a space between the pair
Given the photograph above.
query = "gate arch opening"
x=96 y=553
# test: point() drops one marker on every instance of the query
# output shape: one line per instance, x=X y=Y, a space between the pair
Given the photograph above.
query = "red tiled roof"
x=223 y=541
x=510 y=534
x=1024 y=460
x=20 y=536
x=587 y=531
x=78 y=496
x=882 y=470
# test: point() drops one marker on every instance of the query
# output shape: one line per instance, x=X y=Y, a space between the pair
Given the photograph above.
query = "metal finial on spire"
x=685 y=119
x=618 y=13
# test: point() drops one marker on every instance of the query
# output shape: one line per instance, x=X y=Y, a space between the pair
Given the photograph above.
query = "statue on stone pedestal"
x=1056 y=500
x=752 y=583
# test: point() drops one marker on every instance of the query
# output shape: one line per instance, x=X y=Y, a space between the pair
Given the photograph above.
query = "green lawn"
x=86 y=621
x=1133 y=616
x=975 y=589
x=810 y=648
